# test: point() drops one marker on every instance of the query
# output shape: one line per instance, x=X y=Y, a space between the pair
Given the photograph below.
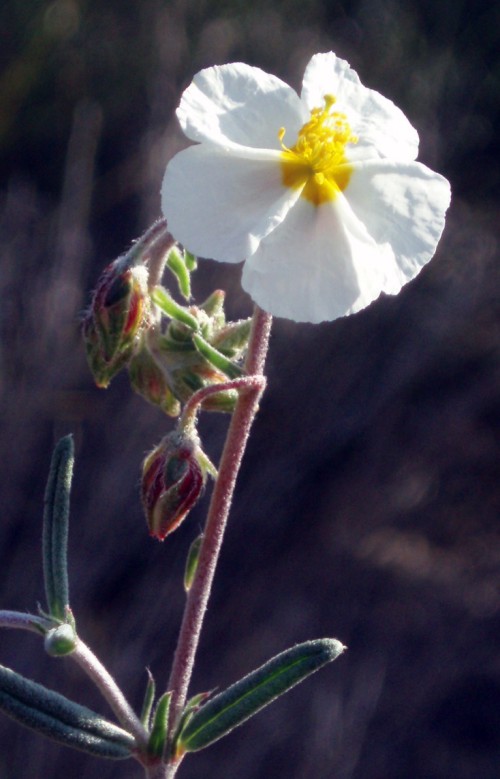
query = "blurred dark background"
x=367 y=507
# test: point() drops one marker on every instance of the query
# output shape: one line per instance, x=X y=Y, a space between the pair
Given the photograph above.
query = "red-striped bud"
x=172 y=481
x=119 y=310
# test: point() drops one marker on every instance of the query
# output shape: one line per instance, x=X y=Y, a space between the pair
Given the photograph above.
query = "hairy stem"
x=17 y=619
x=92 y=667
x=187 y=420
x=110 y=691
x=158 y=771
x=159 y=247
x=232 y=455
x=152 y=246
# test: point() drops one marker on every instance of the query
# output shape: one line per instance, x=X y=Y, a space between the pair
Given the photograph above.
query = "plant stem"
x=17 y=619
x=157 y=254
x=110 y=690
x=92 y=667
x=187 y=420
x=158 y=771
x=196 y=604
x=152 y=246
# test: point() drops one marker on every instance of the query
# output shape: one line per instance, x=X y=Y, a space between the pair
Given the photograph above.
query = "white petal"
x=220 y=205
x=377 y=122
x=319 y=264
x=401 y=205
x=238 y=104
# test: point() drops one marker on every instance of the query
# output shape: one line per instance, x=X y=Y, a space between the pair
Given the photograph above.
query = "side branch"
x=110 y=691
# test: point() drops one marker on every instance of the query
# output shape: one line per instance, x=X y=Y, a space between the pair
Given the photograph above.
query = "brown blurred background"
x=368 y=503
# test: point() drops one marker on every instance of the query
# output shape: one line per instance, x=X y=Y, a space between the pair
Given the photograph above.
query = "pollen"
x=317 y=163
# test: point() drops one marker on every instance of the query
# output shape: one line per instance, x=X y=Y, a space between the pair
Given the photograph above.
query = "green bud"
x=60 y=641
x=232 y=339
x=199 y=349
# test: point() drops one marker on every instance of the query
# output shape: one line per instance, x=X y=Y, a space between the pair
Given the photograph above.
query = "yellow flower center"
x=317 y=163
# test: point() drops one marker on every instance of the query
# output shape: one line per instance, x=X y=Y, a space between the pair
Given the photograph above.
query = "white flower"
x=320 y=194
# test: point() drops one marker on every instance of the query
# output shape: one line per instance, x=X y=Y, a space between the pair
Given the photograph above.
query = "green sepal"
x=190 y=260
x=246 y=697
x=149 y=696
x=69 y=618
x=150 y=380
x=195 y=702
x=57 y=717
x=159 y=731
x=232 y=339
x=214 y=307
x=55 y=528
x=176 y=263
x=217 y=359
x=167 y=304
x=206 y=463
x=192 y=562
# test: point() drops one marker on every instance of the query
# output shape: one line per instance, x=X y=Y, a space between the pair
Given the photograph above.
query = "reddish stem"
x=196 y=604
x=187 y=420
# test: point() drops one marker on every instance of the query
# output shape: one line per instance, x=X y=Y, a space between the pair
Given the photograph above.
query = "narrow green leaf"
x=172 y=309
x=190 y=708
x=55 y=528
x=159 y=731
x=246 y=697
x=177 y=265
x=217 y=359
x=192 y=562
x=149 y=696
x=57 y=717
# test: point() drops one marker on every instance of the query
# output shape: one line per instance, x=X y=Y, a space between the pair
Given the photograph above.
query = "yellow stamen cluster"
x=317 y=163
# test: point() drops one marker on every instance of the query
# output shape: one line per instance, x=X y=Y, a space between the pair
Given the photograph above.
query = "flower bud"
x=190 y=366
x=150 y=381
x=199 y=348
x=119 y=310
x=60 y=641
x=172 y=481
x=194 y=374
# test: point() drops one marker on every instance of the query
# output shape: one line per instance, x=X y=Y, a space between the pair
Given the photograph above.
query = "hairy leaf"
x=245 y=698
x=55 y=528
x=57 y=717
